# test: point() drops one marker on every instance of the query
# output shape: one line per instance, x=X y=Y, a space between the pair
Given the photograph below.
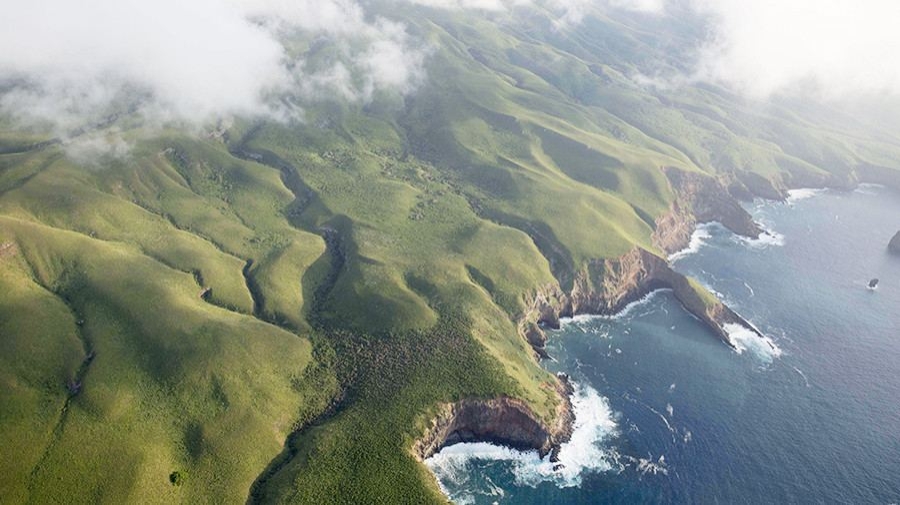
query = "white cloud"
x=486 y=5
x=650 y=6
x=389 y=63
x=194 y=57
x=838 y=47
x=70 y=63
x=95 y=148
x=569 y=12
x=317 y=16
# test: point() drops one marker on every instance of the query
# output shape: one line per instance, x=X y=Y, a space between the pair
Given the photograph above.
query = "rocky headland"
x=699 y=199
x=602 y=287
x=505 y=421
x=607 y=286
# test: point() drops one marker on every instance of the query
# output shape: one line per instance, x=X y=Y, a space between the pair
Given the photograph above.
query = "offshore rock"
x=894 y=245
x=876 y=174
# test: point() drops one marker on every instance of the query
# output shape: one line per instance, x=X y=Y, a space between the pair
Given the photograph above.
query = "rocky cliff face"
x=875 y=174
x=505 y=421
x=894 y=246
x=605 y=287
x=608 y=286
x=699 y=199
x=749 y=185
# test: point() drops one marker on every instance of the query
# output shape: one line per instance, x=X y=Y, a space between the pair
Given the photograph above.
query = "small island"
x=894 y=246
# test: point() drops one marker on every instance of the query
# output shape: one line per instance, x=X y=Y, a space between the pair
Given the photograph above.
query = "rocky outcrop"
x=875 y=174
x=505 y=421
x=894 y=245
x=759 y=186
x=699 y=199
x=535 y=337
x=844 y=181
x=606 y=287
x=746 y=186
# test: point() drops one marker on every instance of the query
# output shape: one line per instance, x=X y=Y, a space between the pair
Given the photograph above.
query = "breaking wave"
x=768 y=238
x=584 y=319
x=745 y=339
x=867 y=188
x=795 y=195
x=698 y=239
x=647 y=465
x=704 y=233
x=595 y=424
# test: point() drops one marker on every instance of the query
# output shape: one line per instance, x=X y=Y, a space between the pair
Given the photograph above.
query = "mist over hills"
x=262 y=244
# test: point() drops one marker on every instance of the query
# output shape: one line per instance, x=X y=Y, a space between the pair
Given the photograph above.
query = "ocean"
x=666 y=413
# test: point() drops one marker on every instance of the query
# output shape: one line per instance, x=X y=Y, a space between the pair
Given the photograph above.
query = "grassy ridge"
x=161 y=369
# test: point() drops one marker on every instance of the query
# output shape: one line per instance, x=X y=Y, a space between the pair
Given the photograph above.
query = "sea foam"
x=768 y=238
x=582 y=320
x=795 y=195
x=648 y=466
x=698 y=239
x=745 y=339
x=595 y=424
x=867 y=188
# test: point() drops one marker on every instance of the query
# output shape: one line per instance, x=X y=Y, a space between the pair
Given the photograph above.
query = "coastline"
x=621 y=284
x=727 y=401
x=603 y=287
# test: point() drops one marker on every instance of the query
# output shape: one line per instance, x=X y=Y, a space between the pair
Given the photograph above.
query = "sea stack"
x=894 y=246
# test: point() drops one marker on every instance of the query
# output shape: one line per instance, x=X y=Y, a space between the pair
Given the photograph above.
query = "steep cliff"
x=506 y=421
x=894 y=245
x=761 y=187
x=605 y=287
x=875 y=174
x=699 y=199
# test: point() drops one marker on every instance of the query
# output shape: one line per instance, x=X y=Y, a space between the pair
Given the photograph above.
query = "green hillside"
x=275 y=310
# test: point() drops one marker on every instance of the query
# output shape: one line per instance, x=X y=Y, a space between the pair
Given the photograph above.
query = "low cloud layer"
x=572 y=12
x=485 y=5
x=74 y=57
x=70 y=62
x=833 y=47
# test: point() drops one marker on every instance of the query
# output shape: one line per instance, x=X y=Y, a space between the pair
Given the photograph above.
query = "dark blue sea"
x=666 y=413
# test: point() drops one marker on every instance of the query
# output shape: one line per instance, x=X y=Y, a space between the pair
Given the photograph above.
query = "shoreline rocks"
x=504 y=421
x=614 y=285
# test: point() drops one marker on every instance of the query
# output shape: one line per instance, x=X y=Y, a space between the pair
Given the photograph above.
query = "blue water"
x=670 y=414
